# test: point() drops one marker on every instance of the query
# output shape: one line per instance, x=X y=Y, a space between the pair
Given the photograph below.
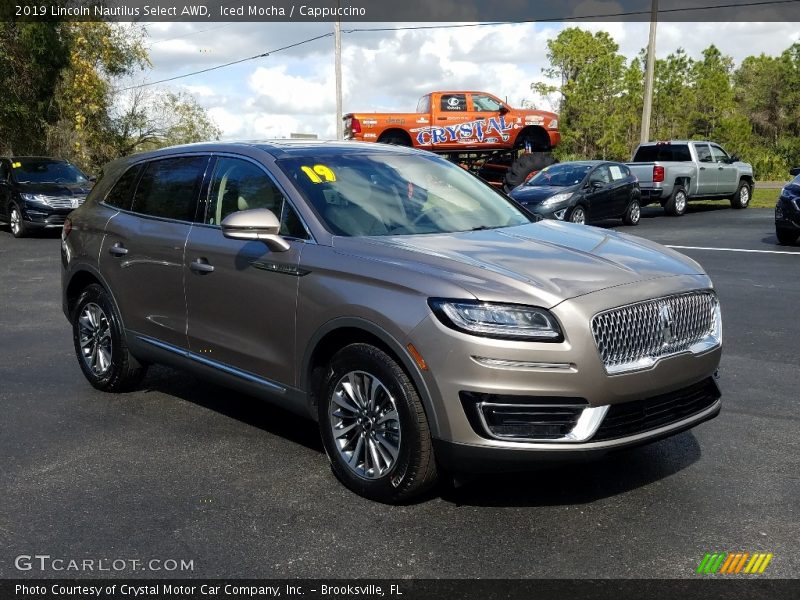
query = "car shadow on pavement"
x=580 y=482
x=236 y=405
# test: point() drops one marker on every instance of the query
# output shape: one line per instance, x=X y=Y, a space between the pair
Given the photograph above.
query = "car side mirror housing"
x=596 y=185
x=794 y=172
x=255 y=224
x=735 y=158
x=503 y=110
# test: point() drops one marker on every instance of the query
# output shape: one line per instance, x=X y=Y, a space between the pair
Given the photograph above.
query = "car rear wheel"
x=741 y=199
x=786 y=237
x=577 y=215
x=100 y=344
x=396 y=139
x=374 y=427
x=633 y=215
x=676 y=205
x=17 y=223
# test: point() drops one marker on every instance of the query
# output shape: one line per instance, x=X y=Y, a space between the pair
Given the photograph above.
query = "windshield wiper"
x=481 y=228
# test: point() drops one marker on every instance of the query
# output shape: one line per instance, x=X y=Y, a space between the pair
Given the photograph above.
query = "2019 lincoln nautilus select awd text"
x=424 y=319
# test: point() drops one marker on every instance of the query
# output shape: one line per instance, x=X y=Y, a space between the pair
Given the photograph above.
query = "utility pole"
x=650 y=70
x=337 y=50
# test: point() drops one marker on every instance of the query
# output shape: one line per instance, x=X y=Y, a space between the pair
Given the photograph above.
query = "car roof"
x=284 y=148
x=36 y=158
x=586 y=163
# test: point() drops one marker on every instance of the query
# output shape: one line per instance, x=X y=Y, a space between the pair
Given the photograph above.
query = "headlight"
x=506 y=321
x=557 y=199
x=37 y=198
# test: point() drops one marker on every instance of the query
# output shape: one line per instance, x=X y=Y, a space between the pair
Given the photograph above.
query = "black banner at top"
x=455 y=11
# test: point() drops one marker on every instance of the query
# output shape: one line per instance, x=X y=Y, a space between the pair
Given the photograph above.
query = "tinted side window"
x=703 y=152
x=601 y=174
x=664 y=153
x=121 y=195
x=169 y=187
x=453 y=102
x=719 y=154
x=240 y=185
x=424 y=104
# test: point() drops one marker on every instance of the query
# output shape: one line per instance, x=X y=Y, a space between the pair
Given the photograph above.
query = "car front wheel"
x=786 y=237
x=578 y=215
x=633 y=214
x=100 y=344
x=17 y=223
x=374 y=427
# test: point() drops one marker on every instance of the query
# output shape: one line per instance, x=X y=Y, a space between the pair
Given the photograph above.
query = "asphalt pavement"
x=186 y=470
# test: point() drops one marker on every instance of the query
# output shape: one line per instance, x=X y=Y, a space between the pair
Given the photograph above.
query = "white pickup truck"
x=672 y=173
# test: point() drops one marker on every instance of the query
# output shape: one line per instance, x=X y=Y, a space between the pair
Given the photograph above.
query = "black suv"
x=787 y=211
x=39 y=193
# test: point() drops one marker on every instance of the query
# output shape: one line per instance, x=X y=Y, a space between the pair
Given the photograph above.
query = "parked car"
x=420 y=316
x=38 y=192
x=787 y=211
x=582 y=191
x=672 y=173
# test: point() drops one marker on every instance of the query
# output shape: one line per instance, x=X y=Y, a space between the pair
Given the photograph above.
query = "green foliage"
x=58 y=97
x=753 y=110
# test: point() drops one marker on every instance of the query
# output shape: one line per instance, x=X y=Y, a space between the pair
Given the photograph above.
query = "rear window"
x=169 y=188
x=663 y=153
x=121 y=195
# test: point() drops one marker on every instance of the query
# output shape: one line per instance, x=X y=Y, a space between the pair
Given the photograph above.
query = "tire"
x=676 y=205
x=405 y=465
x=396 y=139
x=577 y=215
x=16 y=223
x=741 y=199
x=100 y=344
x=633 y=214
x=786 y=237
x=524 y=165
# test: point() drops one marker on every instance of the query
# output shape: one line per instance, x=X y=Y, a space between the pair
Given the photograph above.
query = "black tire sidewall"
x=737 y=198
x=572 y=213
x=96 y=294
x=628 y=218
x=672 y=206
x=362 y=357
x=22 y=229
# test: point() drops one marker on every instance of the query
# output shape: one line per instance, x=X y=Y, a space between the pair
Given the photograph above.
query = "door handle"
x=441 y=118
x=201 y=266
x=702 y=168
x=118 y=250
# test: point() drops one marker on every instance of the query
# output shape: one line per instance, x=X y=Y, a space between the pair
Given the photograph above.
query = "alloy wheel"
x=680 y=202
x=744 y=196
x=578 y=216
x=15 y=221
x=365 y=424
x=95 y=339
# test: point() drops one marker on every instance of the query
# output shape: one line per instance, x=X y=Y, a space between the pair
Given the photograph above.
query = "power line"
x=458 y=26
x=178 y=37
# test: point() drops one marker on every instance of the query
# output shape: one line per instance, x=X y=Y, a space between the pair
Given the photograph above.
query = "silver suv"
x=425 y=320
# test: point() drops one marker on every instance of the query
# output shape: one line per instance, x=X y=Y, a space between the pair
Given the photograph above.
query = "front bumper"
x=39 y=216
x=557 y=212
x=570 y=372
x=787 y=214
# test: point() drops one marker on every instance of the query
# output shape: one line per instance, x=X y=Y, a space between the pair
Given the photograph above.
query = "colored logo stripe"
x=731 y=563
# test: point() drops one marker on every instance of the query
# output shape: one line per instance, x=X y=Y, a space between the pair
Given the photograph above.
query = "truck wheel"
x=741 y=199
x=633 y=215
x=374 y=427
x=397 y=139
x=676 y=205
x=526 y=164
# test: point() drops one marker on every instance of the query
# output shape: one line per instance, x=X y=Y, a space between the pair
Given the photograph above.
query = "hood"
x=548 y=120
x=55 y=189
x=536 y=194
x=541 y=263
x=791 y=190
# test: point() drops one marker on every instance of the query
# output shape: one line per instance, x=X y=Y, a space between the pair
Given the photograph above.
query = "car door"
x=142 y=254
x=490 y=128
x=706 y=170
x=451 y=114
x=600 y=193
x=241 y=296
x=727 y=174
x=622 y=189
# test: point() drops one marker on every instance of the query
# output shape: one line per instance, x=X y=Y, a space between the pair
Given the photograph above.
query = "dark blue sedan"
x=582 y=191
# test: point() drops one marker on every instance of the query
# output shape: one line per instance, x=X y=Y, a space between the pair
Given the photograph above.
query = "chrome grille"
x=65 y=201
x=635 y=336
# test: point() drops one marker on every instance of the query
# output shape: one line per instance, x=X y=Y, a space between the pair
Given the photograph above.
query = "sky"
x=293 y=91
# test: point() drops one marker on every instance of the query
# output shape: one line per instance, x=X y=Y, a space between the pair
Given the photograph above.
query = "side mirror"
x=734 y=158
x=503 y=110
x=794 y=172
x=92 y=178
x=596 y=184
x=256 y=224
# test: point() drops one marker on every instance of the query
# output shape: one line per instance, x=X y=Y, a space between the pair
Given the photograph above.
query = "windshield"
x=37 y=170
x=387 y=194
x=562 y=175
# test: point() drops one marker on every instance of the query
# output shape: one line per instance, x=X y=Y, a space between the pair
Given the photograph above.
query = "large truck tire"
x=526 y=164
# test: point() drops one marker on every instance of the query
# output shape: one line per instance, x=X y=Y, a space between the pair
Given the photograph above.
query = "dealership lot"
x=185 y=470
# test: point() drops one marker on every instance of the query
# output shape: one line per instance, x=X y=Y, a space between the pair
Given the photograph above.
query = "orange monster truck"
x=500 y=143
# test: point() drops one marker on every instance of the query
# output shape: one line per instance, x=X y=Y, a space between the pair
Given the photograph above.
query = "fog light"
x=543 y=423
x=559 y=214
